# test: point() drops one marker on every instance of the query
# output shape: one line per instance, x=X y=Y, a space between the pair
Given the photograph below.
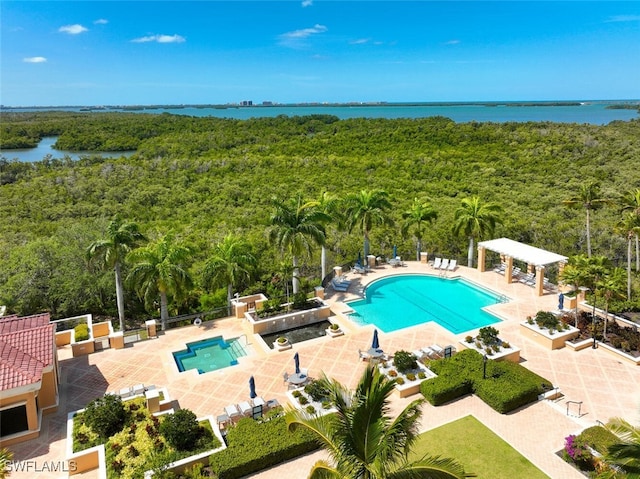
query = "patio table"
x=375 y=353
x=298 y=378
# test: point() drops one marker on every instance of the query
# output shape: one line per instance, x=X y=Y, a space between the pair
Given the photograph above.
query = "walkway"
x=606 y=386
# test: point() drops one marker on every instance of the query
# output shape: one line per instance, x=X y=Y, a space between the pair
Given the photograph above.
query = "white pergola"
x=511 y=250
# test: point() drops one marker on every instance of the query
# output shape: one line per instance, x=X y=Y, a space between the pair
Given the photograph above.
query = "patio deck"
x=606 y=386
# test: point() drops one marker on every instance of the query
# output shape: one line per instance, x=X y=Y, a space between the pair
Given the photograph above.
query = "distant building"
x=267 y=103
x=246 y=103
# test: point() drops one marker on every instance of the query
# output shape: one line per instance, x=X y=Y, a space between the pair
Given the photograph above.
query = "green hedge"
x=599 y=438
x=254 y=446
x=507 y=385
x=81 y=332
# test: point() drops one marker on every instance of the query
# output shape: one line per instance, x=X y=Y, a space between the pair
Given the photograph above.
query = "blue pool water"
x=209 y=354
x=398 y=302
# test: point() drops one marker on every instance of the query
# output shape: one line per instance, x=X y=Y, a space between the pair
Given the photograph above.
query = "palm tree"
x=364 y=441
x=6 y=456
x=590 y=199
x=629 y=226
x=476 y=220
x=574 y=275
x=231 y=262
x=420 y=213
x=631 y=203
x=625 y=455
x=111 y=251
x=612 y=284
x=366 y=209
x=296 y=226
x=328 y=204
x=160 y=269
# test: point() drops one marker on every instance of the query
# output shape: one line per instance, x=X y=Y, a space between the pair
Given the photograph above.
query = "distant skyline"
x=216 y=52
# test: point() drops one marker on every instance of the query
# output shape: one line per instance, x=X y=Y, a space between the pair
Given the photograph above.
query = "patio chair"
x=439 y=350
x=436 y=263
x=430 y=353
x=232 y=412
x=245 y=408
x=445 y=264
x=285 y=377
x=339 y=286
x=501 y=268
x=528 y=279
x=363 y=355
x=359 y=269
x=452 y=265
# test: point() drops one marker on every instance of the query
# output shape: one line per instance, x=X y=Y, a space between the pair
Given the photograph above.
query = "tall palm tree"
x=417 y=217
x=476 y=219
x=611 y=285
x=111 y=252
x=231 y=262
x=364 y=441
x=625 y=454
x=295 y=227
x=631 y=203
x=589 y=198
x=366 y=209
x=629 y=226
x=329 y=205
x=574 y=275
x=160 y=269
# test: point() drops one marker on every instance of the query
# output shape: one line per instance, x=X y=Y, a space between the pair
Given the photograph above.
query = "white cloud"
x=34 y=60
x=624 y=18
x=359 y=41
x=101 y=21
x=160 y=39
x=305 y=32
x=452 y=42
x=307 y=3
x=73 y=29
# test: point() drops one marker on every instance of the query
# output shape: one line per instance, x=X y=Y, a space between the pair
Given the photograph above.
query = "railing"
x=579 y=403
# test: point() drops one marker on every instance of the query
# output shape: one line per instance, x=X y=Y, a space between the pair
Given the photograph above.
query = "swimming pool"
x=397 y=302
x=209 y=354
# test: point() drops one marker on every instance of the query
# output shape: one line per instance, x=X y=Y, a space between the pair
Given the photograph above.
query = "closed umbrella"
x=359 y=261
x=252 y=388
x=395 y=251
x=561 y=301
x=375 y=344
x=296 y=360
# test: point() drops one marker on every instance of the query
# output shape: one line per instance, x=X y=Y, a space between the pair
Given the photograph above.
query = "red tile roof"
x=26 y=348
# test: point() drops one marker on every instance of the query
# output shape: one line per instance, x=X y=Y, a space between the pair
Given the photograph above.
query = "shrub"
x=411 y=377
x=276 y=445
x=576 y=451
x=316 y=391
x=546 y=319
x=296 y=393
x=422 y=375
x=469 y=339
x=488 y=335
x=81 y=332
x=393 y=373
x=181 y=429
x=334 y=326
x=310 y=409
x=400 y=381
x=404 y=361
x=506 y=345
x=303 y=400
x=299 y=300
x=105 y=415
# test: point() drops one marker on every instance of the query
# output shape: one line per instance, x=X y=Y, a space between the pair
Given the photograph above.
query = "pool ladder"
x=237 y=348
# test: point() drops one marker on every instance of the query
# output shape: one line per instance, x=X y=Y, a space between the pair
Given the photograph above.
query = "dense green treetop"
x=205 y=178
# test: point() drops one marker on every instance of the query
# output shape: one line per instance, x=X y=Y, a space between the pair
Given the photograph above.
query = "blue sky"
x=168 y=52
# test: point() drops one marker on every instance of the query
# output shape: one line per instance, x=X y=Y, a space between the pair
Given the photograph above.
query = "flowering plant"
x=576 y=451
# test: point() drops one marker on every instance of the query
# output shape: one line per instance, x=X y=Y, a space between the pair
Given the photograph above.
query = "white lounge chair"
x=439 y=350
x=245 y=408
x=500 y=269
x=436 y=263
x=232 y=412
x=340 y=286
x=528 y=279
x=452 y=265
x=445 y=264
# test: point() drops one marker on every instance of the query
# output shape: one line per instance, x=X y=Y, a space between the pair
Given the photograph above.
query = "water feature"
x=299 y=334
x=209 y=354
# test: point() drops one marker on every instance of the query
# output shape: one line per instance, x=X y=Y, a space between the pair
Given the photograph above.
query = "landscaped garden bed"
x=585 y=451
x=548 y=330
x=312 y=398
x=128 y=440
x=503 y=385
x=407 y=372
x=488 y=343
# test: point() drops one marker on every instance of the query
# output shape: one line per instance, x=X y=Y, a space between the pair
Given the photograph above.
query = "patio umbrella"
x=395 y=251
x=252 y=388
x=375 y=344
x=296 y=360
x=359 y=260
x=561 y=301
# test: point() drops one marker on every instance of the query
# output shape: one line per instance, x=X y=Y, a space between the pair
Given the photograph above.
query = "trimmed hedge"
x=507 y=386
x=81 y=332
x=254 y=446
x=599 y=438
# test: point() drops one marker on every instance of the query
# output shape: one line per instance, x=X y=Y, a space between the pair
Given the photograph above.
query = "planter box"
x=409 y=388
x=544 y=338
x=584 y=344
x=505 y=354
x=619 y=354
x=285 y=321
x=320 y=411
x=83 y=347
x=334 y=333
x=281 y=346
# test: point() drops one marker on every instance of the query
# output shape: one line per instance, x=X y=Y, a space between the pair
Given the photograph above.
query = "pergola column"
x=540 y=280
x=508 y=271
x=482 y=252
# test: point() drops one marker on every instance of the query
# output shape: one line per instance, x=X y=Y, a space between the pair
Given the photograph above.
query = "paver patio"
x=606 y=386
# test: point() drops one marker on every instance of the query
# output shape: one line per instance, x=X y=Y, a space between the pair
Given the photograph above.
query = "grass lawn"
x=480 y=450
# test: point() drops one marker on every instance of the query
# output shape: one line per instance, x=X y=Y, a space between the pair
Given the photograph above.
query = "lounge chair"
x=232 y=412
x=439 y=350
x=245 y=408
x=436 y=263
x=452 y=265
x=528 y=279
x=359 y=269
x=445 y=264
x=501 y=268
x=430 y=353
x=339 y=286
